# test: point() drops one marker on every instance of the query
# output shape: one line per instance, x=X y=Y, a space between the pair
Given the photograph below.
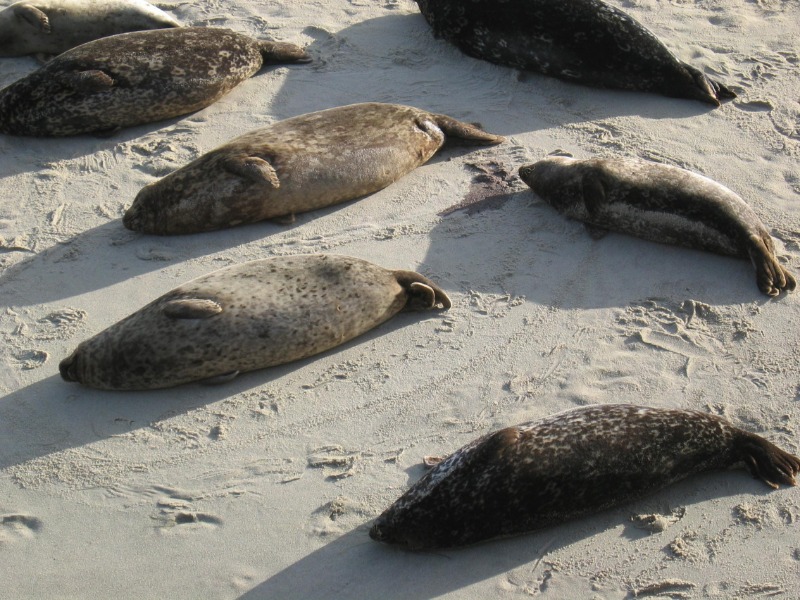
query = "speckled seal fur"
x=135 y=78
x=660 y=203
x=583 y=41
x=296 y=165
x=54 y=26
x=568 y=465
x=246 y=317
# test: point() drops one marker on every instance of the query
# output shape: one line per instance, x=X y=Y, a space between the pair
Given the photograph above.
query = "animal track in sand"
x=17 y=526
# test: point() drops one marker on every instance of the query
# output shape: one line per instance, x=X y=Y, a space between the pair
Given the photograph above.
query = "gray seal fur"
x=582 y=41
x=661 y=203
x=568 y=465
x=54 y=26
x=134 y=78
x=296 y=165
x=246 y=317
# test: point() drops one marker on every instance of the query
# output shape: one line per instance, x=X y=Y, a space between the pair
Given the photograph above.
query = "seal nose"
x=376 y=532
x=132 y=219
x=526 y=173
x=69 y=368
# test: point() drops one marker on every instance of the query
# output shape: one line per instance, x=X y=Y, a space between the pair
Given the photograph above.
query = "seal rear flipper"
x=32 y=16
x=771 y=276
x=191 y=308
x=766 y=461
x=423 y=294
x=455 y=130
x=252 y=168
x=282 y=52
x=706 y=89
x=87 y=82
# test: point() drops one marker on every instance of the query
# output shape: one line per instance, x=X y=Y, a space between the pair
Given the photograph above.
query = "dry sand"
x=265 y=487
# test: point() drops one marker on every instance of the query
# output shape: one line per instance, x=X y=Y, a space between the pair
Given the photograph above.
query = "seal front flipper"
x=281 y=52
x=594 y=194
x=93 y=80
x=766 y=461
x=252 y=168
x=32 y=16
x=423 y=294
x=220 y=379
x=771 y=276
x=191 y=308
x=465 y=132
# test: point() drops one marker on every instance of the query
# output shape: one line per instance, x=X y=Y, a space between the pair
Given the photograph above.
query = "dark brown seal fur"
x=245 y=317
x=296 y=165
x=582 y=41
x=660 y=203
x=135 y=78
x=568 y=465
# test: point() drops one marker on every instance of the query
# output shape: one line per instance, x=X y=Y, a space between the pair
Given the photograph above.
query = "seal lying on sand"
x=568 y=465
x=660 y=203
x=135 y=78
x=296 y=165
x=249 y=316
x=54 y=26
x=583 y=41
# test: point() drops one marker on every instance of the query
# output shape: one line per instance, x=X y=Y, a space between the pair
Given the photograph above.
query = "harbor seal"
x=582 y=41
x=660 y=203
x=246 y=317
x=568 y=465
x=296 y=165
x=134 y=78
x=54 y=26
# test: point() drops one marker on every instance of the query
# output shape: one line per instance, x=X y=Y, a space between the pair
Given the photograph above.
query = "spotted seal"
x=296 y=165
x=135 y=78
x=660 y=203
x=582 y=41
x=54 y=26
x=566 y=466
x=246 y=317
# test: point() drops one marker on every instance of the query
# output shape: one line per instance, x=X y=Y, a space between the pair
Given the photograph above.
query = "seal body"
x=54 y=26
x=583 y=41
x=296 y=165
x=660 y=203
x=134 y=78
x=245 y=317
x=565 y=466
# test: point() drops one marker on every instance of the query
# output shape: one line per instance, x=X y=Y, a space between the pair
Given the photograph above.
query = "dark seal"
x=135 y=78
x=583 y=41
x=660 y=203
x=568 y=465
x=245 y=317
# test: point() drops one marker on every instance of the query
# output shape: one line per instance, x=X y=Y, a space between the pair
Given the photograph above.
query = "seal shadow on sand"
x=389 y=58
x=527 y=249
x=396 y=573
x=51 y=416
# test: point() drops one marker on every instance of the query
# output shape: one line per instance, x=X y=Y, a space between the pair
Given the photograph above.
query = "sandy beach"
x=265 y=487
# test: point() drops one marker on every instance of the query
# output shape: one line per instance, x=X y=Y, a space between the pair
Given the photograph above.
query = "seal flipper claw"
x=252 y=168
x=281 y=52
x=466 y=132
x=423 y=294
x=771 y=276
x=32 y=16
x=191 y=308
x=768 y=462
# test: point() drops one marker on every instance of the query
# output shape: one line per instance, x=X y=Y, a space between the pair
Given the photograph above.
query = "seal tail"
x=466 y=132
x=768 y=462
x=423 y=294
x=282 y=52
x=772 y=277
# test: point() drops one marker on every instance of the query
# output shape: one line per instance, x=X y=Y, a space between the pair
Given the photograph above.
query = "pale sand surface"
x=265 y=487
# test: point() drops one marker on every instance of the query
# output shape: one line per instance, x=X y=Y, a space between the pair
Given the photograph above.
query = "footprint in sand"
x=15 y=527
